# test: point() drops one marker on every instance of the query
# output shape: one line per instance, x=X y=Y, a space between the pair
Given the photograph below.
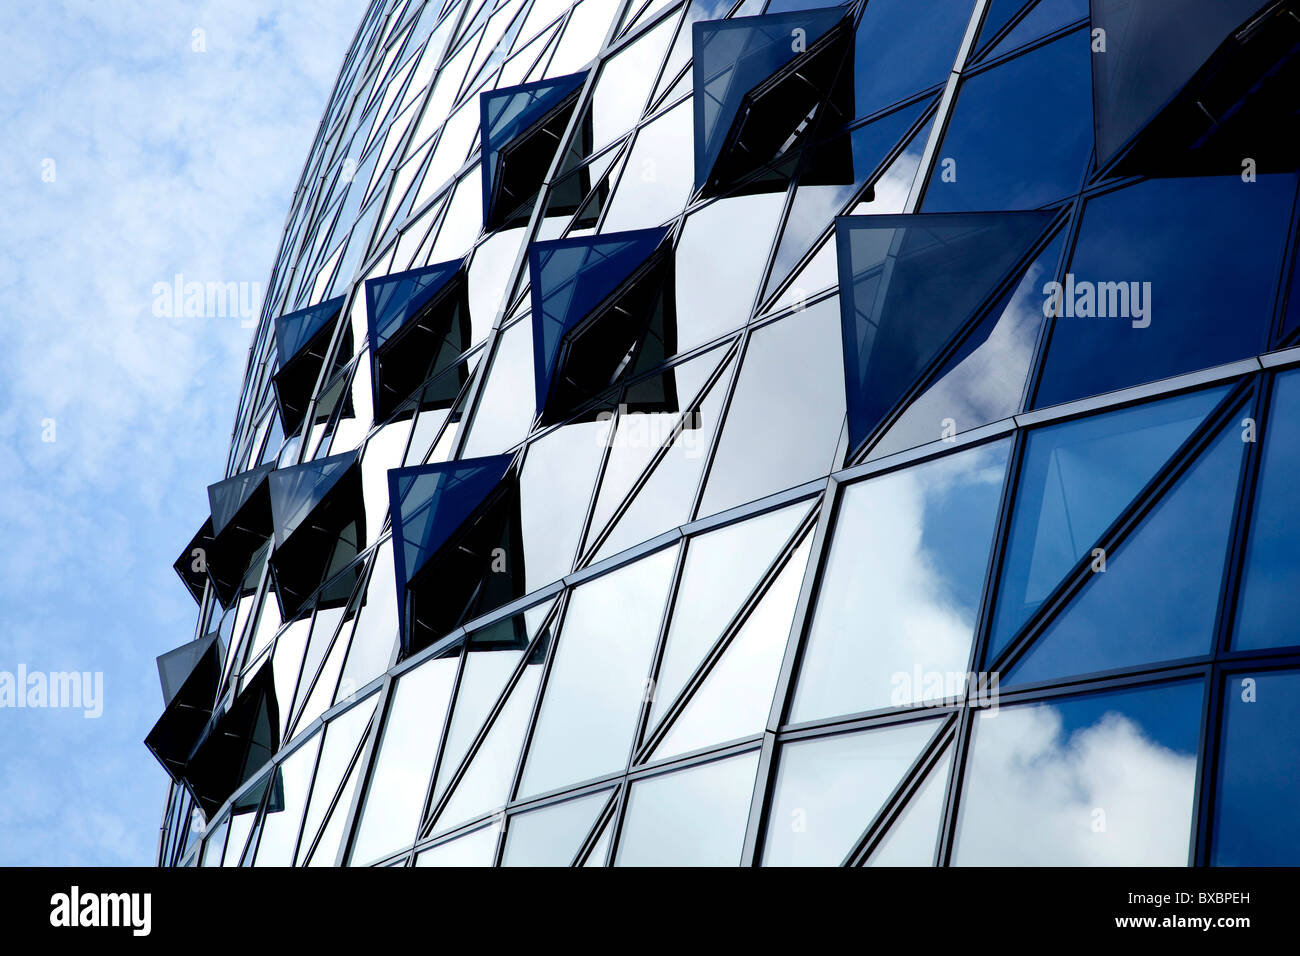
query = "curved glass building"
x=690 y=432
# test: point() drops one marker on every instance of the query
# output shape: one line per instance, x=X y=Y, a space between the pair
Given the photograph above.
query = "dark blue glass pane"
x=1268 y=607
x=900 y=52
x=908 y=284
x=505 y=113
x=296 y=329
x=430 y=502
x=1158 y=597
x=1076 y=479
x=997 y=15
x=734 y=56
x=569 y=278
x=1153 y=47
x=228 y=496
x=1255 y=823
x=1169 y=276
x=1044 y=18
x=392 y=300
x=816 y=205
x=1021 y=133
x=296 y=491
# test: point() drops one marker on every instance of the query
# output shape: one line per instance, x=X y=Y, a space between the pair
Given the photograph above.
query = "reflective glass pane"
x=736 y=695
x=395 y=798
x=598 y=677
x=1020 y=134
x=829 y=789
x=1255 y=823
x=1268 y=606
x=475 y=849
x=896 y=610
x=1099 y=780
x=722 y=568
x=786 y=414
x=914 y=836
x=552 y=835
x=899 y=53
x=1159 y=594
x=984 y=379
x=1156 y=268
x=693 y=817
x=1076 y=479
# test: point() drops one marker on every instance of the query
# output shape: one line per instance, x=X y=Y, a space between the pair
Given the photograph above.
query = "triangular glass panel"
x=1159 y=594
x=419 y=324
x=665 y=495
x=914 y=836
x=998 y=13
x=491 y=656
x=1045 y=17
x=599 y=311
x=192 y=565
x=761 y=85
x=309 y=552
x=190 y=675
x=597 y=855
x=1020 y=134
x=485 y=784
x=552 y=835
x=521 y=127
x=242 y=523
x=722 y=568
x=1197 y=84
x=178 y=665
x=1076 y=479
x=638 y=436
x=229 y=496
x=302 y=340
x=908 y=285
x=828 y=789
x=734 y=698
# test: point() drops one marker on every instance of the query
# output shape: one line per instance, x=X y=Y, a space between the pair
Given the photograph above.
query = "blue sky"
x=164 y=160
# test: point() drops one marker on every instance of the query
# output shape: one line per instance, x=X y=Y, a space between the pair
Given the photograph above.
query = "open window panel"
x=603 y=315
x=235 y=745
x=913 y=289
x=458 y=544
x=1198 y=89
x=419 y=326
x=320 y=528
x=522 y=128
x=632 y=331
x=190 y=676
x=241 y=525
x=192 y=565
x=765 y=88
x=302 y=343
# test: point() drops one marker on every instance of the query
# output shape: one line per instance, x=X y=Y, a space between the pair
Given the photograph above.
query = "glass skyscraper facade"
x=710 y=433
